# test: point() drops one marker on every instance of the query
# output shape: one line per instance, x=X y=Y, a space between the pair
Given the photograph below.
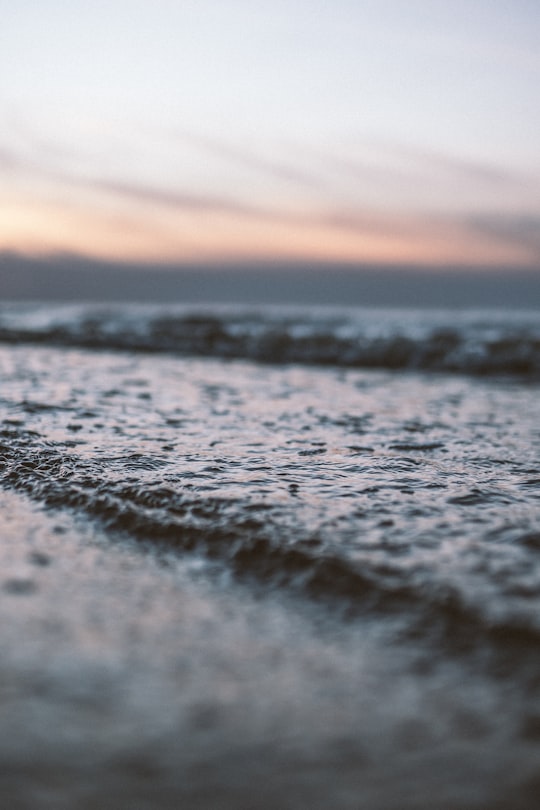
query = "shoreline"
x=140 y=679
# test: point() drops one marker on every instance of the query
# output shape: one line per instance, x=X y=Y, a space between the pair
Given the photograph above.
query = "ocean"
x=326 y=525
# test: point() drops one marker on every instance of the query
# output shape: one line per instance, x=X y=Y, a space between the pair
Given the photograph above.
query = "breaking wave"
x=469 y=343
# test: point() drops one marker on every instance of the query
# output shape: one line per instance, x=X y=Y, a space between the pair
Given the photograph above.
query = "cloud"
x=520 y=229
x=410 y=168
x=247 y=159
x=327 y=223
x=494 y=235
x=351 y=220
x=185 y=201
x=17 y=162
x=142 y=193
x=9 y=162
x=453 y=166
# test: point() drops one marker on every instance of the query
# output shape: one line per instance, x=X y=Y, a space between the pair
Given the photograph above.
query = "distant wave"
x=472 y=345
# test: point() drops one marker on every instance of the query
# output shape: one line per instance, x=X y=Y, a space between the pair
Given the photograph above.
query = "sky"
x=380 y=131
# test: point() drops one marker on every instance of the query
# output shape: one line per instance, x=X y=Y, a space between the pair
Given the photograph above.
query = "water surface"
x=373 y=478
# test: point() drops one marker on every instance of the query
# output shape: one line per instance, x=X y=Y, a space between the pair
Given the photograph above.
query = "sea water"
x=377 y=471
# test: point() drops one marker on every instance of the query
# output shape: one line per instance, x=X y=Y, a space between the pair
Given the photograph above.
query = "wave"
x=470 y=344
x=254 y=547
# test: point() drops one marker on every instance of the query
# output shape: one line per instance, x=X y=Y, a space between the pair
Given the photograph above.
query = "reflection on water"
x=419 y=485
x=386 y=524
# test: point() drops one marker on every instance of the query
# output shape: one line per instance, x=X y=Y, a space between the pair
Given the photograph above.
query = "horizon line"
x=254 y=264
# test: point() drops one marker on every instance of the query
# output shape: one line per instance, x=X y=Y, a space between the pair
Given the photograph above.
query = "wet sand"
x=131 y=678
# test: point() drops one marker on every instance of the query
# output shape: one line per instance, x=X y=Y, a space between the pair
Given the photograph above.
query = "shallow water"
x=400 y=507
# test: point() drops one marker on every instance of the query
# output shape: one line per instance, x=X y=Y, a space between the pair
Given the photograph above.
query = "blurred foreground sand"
x=133 y=680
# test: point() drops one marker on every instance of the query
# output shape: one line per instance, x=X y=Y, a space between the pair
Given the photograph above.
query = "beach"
x=132 y=679
x=247 y=571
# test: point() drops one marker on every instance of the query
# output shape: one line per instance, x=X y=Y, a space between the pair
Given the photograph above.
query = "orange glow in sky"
x=49 y=228
x=360 y=132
